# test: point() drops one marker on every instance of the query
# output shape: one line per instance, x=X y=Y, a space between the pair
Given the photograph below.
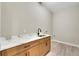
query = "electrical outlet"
x=54 y=34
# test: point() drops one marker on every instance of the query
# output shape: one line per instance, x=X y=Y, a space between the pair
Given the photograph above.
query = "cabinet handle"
x=26 y=46
x=46 y=44
x=28 y=53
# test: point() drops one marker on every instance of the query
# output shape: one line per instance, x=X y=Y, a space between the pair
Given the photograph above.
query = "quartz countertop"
x=6 y=44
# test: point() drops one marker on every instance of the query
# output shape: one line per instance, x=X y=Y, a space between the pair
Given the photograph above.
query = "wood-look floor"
x=59 y=49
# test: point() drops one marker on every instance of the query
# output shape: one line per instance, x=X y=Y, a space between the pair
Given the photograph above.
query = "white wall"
x=0 y=18
x=66 y=25
x=6 y=21
x=24 y=16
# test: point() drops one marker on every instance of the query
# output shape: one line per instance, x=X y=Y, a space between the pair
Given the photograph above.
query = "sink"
x=29 y=36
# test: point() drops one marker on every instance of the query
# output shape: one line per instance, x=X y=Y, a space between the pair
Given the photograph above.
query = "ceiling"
x=57 y=6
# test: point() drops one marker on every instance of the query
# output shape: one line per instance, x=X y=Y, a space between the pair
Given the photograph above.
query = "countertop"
x=18 y=41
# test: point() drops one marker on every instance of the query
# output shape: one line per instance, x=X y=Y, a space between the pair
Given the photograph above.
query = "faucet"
x=39 y=30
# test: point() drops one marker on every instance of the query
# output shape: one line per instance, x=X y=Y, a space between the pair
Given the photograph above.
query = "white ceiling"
x=56 y=6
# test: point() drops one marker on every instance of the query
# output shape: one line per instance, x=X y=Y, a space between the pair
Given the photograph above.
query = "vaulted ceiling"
x=57 y=6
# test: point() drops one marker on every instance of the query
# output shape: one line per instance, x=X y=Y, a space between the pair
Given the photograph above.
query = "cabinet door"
x=23 y=53
x=43 y=49
x=45 y=46
x=34 y=51
x=0 y=53
x=48 y=43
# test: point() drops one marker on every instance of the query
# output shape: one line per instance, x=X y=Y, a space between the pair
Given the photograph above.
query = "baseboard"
x=70 y=44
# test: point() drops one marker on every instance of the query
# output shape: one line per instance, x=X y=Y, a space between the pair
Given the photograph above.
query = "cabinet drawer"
x=15 y=50
x=26 y=45
x=33 y=43
x=22 y=47
x=9 y=52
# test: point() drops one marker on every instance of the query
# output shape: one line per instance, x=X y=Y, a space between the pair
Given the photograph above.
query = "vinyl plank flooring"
x=60 y=49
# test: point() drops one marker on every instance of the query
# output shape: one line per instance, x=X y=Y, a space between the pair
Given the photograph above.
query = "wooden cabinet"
x=41 y=49
x=34 y=51
x=45 y=45
x=30 y=49
x=0 y=53
x=9 y=52
x=38 y=47
x=22 y=53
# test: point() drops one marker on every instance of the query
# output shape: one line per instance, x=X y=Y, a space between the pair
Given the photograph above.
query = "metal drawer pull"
x=26 y=46
x=46 y=44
